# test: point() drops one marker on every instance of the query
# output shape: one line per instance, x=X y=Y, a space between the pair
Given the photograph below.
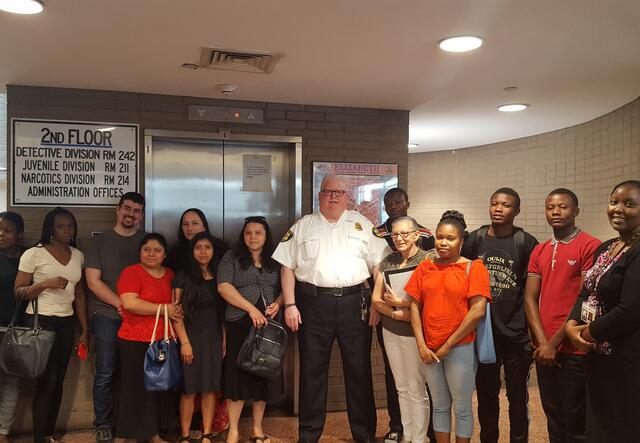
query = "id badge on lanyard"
x=588 y=312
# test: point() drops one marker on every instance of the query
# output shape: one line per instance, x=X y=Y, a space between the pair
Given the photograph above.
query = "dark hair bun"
x=454 y=215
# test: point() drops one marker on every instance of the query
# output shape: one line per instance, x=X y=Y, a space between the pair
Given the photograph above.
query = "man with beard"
x=108 y=254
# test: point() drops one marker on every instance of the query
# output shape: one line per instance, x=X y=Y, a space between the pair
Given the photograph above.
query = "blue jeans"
x=105 y=333
x=452 y=382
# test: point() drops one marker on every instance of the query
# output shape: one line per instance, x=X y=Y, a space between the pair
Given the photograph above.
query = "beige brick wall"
x=328 y=133
x=589 y=159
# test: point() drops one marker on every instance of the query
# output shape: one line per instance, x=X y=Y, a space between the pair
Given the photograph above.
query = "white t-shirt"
x=39 y=262
x=332 y=255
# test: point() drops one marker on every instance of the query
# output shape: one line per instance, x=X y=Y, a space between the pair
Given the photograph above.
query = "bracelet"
x=288 y=305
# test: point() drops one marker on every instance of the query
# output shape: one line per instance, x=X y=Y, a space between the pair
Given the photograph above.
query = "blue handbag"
x=162 y=365
x=484 y=339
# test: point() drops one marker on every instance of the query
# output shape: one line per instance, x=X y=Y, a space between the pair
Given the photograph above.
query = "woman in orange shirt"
x=453 y=292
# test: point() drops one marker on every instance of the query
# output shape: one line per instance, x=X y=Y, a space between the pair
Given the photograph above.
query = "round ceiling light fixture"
x=22 y=6
x=461 y=43
x=189 y=66
x=513 y=107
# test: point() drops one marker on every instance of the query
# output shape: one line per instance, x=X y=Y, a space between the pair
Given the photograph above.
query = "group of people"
x=569 y=304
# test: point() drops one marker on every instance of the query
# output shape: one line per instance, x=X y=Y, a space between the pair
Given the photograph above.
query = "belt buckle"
x=337 y=292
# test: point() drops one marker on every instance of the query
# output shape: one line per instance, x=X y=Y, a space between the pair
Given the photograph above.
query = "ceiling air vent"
x=235 y=60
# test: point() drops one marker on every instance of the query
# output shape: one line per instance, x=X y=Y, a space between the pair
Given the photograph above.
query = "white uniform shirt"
x=39 y=262
x=331 y=255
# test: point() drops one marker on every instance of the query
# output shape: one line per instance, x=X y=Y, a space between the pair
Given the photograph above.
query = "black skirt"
x=204 y=373
x=238 y=384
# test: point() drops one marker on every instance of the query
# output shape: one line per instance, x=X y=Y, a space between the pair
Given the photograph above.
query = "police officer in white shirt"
x=331 y=253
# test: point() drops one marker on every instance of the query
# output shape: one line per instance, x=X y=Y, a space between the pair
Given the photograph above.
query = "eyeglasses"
x=255 y=218
x=404 y=235
x=332 y=192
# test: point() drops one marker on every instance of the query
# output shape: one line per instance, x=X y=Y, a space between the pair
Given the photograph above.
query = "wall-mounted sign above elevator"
x=72 y=163
x=224 y=114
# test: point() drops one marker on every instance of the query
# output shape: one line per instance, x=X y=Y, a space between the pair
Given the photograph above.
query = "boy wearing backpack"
x=505 y=250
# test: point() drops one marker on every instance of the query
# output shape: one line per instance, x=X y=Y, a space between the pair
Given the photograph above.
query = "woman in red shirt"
x=454 y=294
x=142 y=287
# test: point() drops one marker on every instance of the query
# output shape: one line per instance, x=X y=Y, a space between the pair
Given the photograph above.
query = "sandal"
x=260 y=439
x=186 y=438
x=208 y=436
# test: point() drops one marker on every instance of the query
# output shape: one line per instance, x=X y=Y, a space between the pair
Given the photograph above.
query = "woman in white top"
x=50 y=273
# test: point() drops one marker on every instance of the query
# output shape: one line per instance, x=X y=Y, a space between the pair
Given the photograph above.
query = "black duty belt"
x=309 y=289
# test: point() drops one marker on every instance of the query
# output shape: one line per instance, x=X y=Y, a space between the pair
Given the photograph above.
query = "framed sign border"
x=15 y=120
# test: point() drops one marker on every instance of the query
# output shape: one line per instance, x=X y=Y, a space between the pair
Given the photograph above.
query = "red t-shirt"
x=136 y=279
x=560 y=265
x=444 y=291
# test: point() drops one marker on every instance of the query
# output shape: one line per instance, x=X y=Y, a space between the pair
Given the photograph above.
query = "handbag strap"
x=16 y=312
x=155 y=327
x=168 y=326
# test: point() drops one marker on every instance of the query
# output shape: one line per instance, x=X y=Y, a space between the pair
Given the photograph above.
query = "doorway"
x=228 y=177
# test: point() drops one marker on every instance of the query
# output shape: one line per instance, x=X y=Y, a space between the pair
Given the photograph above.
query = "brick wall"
x=589 y=159
x=328 y=134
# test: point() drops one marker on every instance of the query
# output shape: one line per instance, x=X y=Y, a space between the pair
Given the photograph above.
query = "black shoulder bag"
x=24 y=352
x=262 y=353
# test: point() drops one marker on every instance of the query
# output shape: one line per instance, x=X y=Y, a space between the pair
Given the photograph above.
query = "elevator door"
x=184 y=174
x=274 y=203
x=208 y=174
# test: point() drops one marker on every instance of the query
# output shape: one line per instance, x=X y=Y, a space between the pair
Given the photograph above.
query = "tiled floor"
x=284 y=429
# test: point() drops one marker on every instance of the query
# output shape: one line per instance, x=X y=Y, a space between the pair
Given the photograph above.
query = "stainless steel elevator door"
x=274 y=204
x=184 y=174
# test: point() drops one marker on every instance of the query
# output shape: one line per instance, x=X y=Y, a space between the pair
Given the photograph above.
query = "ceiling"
x=572 y=60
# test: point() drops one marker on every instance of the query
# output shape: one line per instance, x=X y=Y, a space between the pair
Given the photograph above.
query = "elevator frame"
x=291 y=370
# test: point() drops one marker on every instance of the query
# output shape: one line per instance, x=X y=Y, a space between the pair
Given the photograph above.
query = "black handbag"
x=24 y=351
x=262 y=353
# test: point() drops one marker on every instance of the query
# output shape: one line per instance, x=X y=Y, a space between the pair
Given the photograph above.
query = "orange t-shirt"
x=444 y=291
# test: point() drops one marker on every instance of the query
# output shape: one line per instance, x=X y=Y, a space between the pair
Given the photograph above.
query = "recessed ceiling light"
x=412 y=145
x=462 y=43
x=22 y=6
x=190 y=66
x=511 y=88
x=513 y=107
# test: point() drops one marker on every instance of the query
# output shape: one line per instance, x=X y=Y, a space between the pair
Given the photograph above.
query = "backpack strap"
x=481 y=234
x=521 y=249
x=468 y=270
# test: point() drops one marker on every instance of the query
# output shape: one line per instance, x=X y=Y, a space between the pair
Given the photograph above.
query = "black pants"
x=516 y=359
x=138 y=412
x=325 y=318
x=562 y=391
x=48 y=394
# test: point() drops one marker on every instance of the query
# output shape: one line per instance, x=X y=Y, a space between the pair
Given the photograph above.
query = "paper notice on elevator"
x=256 y=173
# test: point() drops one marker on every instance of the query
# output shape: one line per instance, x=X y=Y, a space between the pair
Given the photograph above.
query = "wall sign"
x=366 y=183
x=72 y=163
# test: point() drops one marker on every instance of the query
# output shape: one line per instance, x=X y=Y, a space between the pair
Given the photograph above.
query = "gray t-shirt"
x=252 y=283
x=110 y=253
x=391 y=262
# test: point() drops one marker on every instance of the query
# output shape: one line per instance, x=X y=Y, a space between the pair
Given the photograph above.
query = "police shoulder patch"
x=358 y=226
x=379 y=232
x=287 y=236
